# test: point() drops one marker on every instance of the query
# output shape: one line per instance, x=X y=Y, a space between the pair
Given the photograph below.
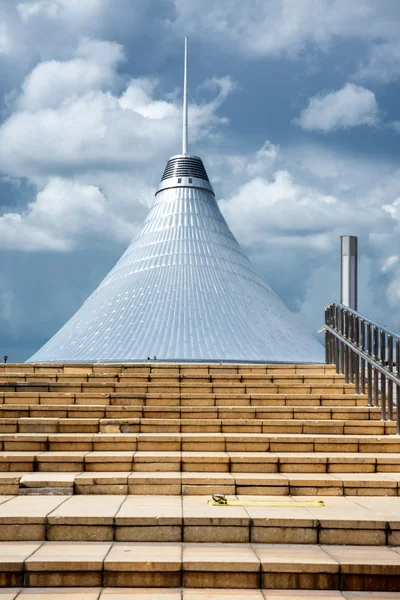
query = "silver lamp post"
x=349 y=271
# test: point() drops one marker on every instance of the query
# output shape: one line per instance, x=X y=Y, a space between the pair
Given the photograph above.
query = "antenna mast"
x=185 y=105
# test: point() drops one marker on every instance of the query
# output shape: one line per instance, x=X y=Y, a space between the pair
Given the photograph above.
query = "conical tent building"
x=183 y=290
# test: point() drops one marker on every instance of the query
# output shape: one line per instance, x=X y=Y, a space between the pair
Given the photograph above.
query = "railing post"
x=376 y=357
x=350 y=337
x=390 y=382
x=376 y=388
x=337 y=343
x=397 y=409
x=369 y=350
x=369 y=385
x=356 y=361
x=398 y=386
x=362 y=361
x=383 y=378
x=327 y=335
x=383 y=397
x=342 y=346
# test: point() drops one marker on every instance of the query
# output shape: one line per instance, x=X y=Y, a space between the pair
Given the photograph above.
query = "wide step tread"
x=176 y=483
x=229 y=462
x=349 y=521
x=248 y=566
x=187 y=594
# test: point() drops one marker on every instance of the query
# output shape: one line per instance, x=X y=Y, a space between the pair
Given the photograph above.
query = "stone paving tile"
x=371 y=595
x=212 y=594
x=29 y=509
x=302 y=595
x=364 y=559
x=7 y=478
x=59 y=594
x=53 y=479
x=100 y=509
x=302 y=558
x=13 y=554
x=108 y=478
x=220 y=557
x=379 y=505
x=150 y=510
x=66 y=456
x=9 y=593
x=68 y=556
x=5 y=498
x=281 y=516
x=345 y=512
x=143 y=557
x=197 y=511
x=140 y=594
x=164 y=478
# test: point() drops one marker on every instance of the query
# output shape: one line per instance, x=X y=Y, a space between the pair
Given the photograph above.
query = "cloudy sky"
x=293 y=107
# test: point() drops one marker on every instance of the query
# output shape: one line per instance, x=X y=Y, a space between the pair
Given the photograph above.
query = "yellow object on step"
x=221 y=500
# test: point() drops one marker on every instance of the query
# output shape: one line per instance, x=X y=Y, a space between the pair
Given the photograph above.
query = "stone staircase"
x=106 y=472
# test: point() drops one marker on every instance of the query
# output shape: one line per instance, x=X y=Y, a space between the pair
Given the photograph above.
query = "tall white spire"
x=185 y=105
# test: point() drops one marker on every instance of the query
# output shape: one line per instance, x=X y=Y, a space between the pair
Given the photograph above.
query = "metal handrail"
x=366 y=353
x=366 y=319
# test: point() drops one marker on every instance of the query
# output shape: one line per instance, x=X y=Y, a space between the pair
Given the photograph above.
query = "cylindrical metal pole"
x=369 y=384
x=341 y=331
x=398 y=411
x=390 y=382
x=362 y=361
x=349 y=271
x=383 y=397
x=376 y=387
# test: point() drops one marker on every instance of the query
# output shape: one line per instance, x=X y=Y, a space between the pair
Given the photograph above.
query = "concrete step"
x=222 y=462
x=366 y=521
x=163 y=388
x=143 y=379
x=50 y=593
x=165 y=368
x=268 y=484
x=195 y=425
x=223 y=566
x=198 y=442
x=27 y=399
x=175 y=483
x=265 y=412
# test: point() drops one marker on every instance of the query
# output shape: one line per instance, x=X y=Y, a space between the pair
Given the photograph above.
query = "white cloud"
x=74 y=10
x=66 y=124
x=282 y=211
x=264 y=158
x=290 y=220
x=64 y=216
x=292 y=27
x=351 y=106
x=33 y=31
x=389 y=263
x=5 y=40
x=393 y=209
x=382 y=64
x=53 y=82
x=75 y=138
